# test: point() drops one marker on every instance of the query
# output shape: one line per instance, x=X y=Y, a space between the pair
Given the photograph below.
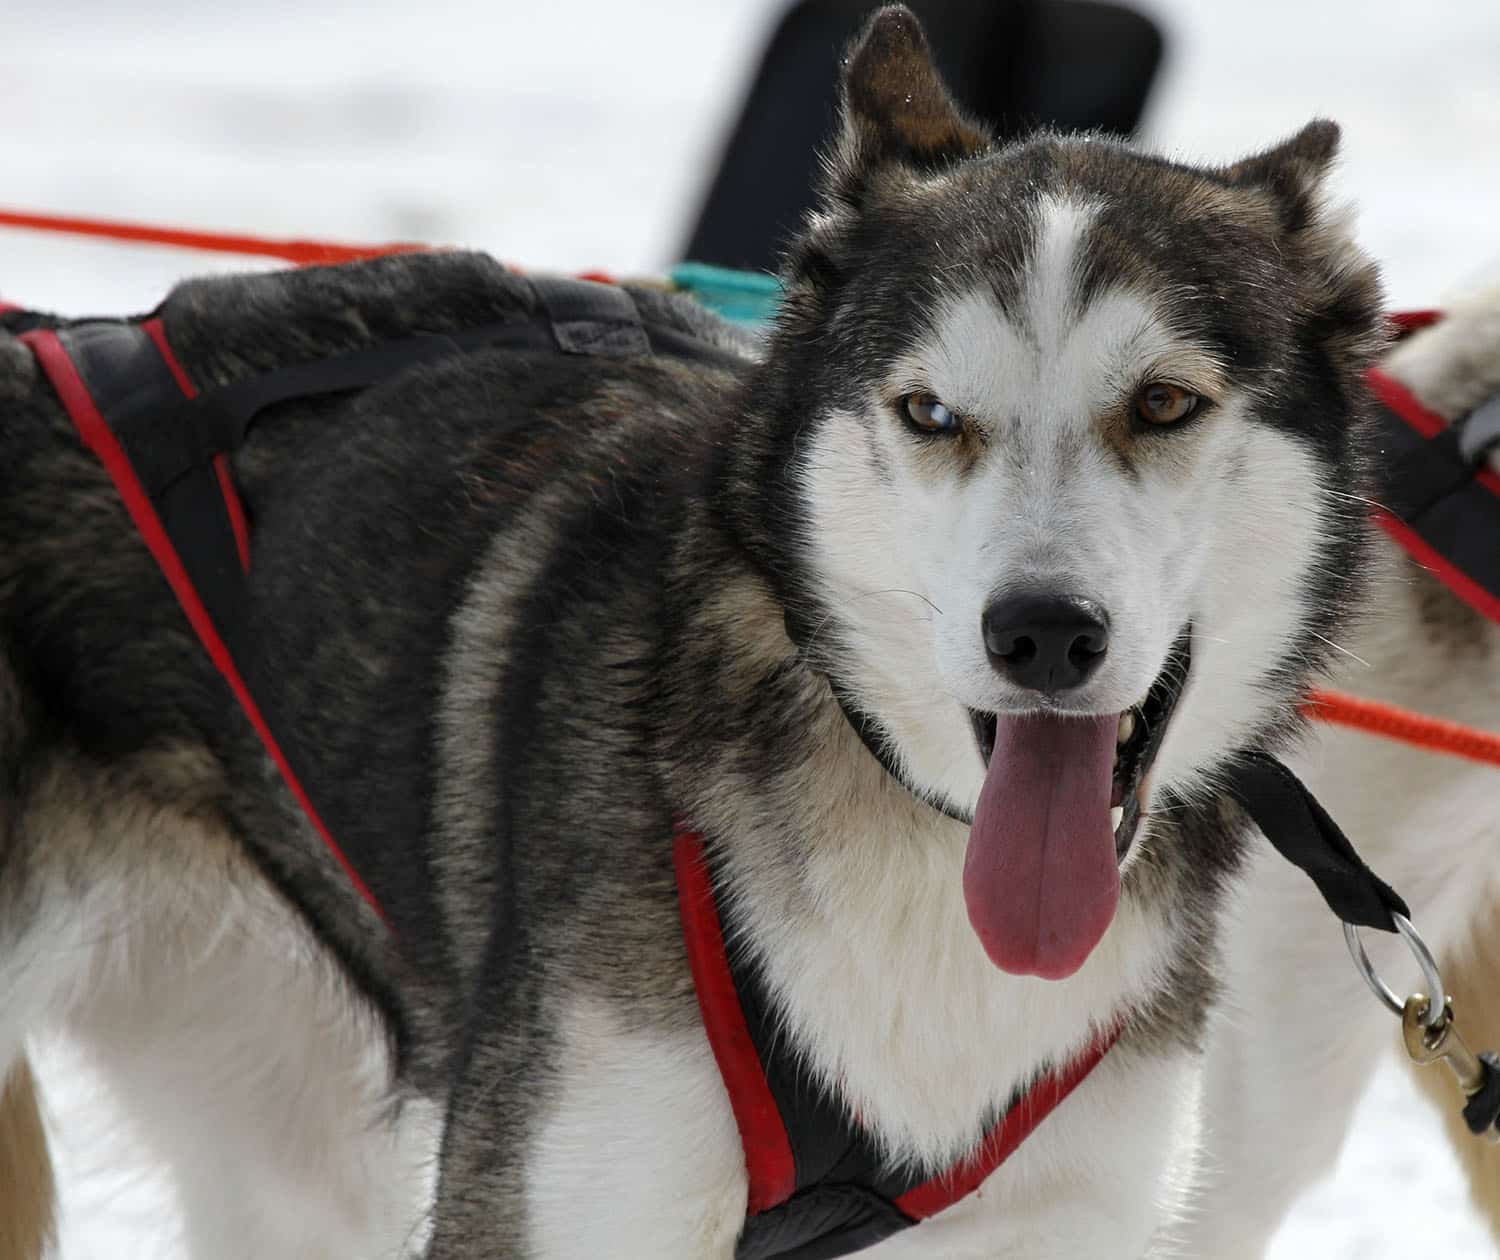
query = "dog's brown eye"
x=1160 y=403
x=929 y=413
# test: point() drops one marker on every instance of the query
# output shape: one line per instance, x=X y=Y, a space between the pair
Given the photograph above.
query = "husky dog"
x=935 y=620
x=1300 y=1035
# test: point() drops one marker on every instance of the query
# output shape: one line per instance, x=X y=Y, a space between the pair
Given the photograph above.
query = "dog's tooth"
x=1127 y=727
x=1116 y=817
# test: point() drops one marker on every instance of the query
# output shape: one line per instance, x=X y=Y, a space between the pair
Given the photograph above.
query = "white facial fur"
x=1215 y=526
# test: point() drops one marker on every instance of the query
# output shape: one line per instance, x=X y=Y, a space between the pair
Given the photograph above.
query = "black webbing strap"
x=1304 y=834
x=591 y=318
x=576 y=317
x=1419 y=471
x=1280 y=805
x=164 y=447
x=1482 y=1110
x=822 y=1222
x=1445 y=508
x=843 y=1200
x=135 y=392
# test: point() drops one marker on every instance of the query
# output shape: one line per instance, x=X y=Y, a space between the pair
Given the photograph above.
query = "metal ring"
x=1437 y=1000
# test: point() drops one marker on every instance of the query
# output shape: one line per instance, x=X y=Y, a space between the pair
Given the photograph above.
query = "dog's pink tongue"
x=1041 y=879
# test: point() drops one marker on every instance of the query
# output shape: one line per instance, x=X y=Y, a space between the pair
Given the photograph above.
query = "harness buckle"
x=1428 y=1043
x=1429 y=1032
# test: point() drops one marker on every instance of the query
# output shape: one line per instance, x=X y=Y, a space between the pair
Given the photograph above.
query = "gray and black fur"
x=512 y=653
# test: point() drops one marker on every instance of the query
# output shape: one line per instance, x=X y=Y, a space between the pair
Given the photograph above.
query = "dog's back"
x=153 y=851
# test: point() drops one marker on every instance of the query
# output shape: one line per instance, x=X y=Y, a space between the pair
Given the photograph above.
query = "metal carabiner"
x=1433 y=1016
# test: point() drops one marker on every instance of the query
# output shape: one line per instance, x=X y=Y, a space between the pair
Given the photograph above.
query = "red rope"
x=1389 y=721
x=300 y=252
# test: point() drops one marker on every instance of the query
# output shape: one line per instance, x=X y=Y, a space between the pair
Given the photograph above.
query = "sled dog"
x=661 y=795
x=1279 y=1103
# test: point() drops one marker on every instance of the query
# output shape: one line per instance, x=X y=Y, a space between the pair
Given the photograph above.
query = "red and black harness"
x=1444 y=508
x=818 y=1187
x=817 y=1184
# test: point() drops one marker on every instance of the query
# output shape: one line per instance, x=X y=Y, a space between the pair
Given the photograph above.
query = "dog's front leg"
x=601 y=1138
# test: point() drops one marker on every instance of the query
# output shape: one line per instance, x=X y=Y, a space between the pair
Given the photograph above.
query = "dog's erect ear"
x=895 y=108
x=1338 y=286
x=1292 y=171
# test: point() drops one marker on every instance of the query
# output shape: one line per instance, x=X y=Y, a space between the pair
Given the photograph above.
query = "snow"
x=577 y=136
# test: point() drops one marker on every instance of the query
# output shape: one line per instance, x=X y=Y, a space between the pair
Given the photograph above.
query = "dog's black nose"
x=1045 y=642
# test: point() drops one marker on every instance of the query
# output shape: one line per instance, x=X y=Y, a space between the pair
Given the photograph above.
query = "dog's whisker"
x=1340 y=648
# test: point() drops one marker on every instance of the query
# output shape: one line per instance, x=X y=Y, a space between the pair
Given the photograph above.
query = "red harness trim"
x=769 y=1163
x=157 y=331
x=1410 y=321
x=239 y=525
x=1429 y=424
x=1020 y=1122
x=1404 y=403
x=99 y=438
x=1454 y=578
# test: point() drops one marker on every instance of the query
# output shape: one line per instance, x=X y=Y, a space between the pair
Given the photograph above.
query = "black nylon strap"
x=821 y=1223
x=580 y=317
x=1483 y=1109
x=1304 y=834
x=165 y=447
x=827 y=1145
x=591 y=318
x=132 y=386
x=1419 y=471
x=1431 y=486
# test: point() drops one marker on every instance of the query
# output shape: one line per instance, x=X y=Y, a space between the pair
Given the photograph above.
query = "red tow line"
x=303 y=253
x=1387 y=721
x=1390 y=721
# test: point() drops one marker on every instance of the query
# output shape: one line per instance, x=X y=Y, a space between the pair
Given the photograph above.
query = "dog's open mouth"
x=1138 y=738
x=1062 y=801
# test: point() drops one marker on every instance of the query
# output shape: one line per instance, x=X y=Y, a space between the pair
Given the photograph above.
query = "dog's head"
x=1061 y=480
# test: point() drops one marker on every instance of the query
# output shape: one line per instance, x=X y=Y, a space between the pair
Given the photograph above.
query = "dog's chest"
x=894 y=1005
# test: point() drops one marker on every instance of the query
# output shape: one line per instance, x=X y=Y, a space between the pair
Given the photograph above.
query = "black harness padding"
x=1482 y=1111
x=821 y=1222
x=1420 y=471
x=844 y=1196
x=1442 y=500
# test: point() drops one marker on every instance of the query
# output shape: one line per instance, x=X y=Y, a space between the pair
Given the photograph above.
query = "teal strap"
x=747 y=297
